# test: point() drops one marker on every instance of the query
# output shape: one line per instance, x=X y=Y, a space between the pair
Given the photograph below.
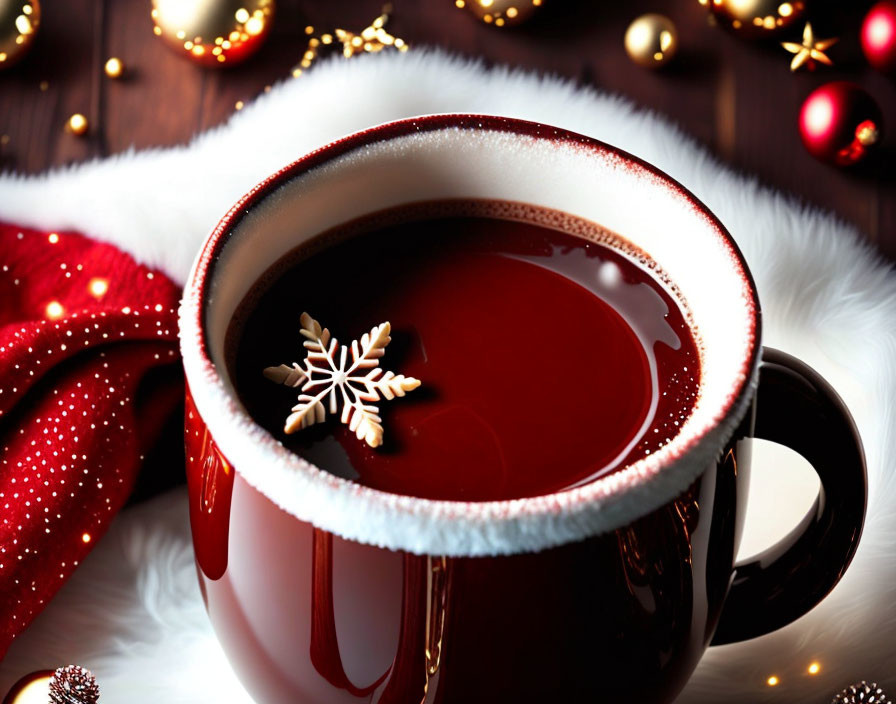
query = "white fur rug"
x=133 y=613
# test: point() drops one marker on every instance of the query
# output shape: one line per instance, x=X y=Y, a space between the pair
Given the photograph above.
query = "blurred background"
x=734 y=93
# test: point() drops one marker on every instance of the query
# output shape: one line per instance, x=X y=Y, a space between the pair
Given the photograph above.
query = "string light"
x=772 y=681
x=53 y=238
x=19 y=22
x=500 y=13
x=86 y=538
x=814 y=668
x=98 y=287
x=54 y=310
x=254 y=26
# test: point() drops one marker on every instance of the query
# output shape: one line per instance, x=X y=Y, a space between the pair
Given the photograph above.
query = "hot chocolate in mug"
x=324 y=590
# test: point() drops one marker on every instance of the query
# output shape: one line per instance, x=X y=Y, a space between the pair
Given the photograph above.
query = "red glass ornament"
x=879 y=36
x=839 y=123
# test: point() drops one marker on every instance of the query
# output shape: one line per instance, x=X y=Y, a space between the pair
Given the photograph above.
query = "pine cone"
x=73 y=685
x=862 y=693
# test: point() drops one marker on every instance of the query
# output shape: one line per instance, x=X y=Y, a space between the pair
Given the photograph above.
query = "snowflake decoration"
x=323 y=376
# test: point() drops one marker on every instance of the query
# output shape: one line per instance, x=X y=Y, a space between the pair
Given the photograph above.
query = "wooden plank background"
x=737 y=97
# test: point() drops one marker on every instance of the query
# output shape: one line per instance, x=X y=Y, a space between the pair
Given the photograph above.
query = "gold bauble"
x=77 y=124
x=757 y=18
x=31 y=689
x=501 y=13
x=651 y=40
x=19 y=22
x=213 y=32
x=114 y=67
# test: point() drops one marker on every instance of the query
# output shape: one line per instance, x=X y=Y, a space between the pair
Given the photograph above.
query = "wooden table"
x=737 y=97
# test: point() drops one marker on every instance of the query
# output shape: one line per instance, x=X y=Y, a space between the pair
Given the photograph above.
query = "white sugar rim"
x=454 y=528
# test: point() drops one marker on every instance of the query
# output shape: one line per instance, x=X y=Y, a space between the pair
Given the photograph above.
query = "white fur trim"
x=826 y=297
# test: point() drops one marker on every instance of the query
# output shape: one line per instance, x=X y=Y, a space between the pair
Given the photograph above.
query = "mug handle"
x=797 y=408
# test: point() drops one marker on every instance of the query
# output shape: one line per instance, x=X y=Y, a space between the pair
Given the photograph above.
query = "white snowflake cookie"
x=323 y=376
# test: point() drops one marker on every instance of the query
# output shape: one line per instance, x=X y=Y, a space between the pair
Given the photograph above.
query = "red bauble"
x=839 y=123
x=879 y=36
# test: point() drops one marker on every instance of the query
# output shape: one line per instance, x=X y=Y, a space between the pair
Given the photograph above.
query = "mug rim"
x=521 y=515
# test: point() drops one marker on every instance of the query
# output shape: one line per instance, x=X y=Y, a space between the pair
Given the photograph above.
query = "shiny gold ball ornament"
x=651 y=40
x=213 y=32
x=114 y=68
x=33 y=688
x=19 y=22
x=501 y=13
x=757 y=18
x=77 y=124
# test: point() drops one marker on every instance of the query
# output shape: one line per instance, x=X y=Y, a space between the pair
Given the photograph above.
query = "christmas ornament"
x=756 y=18
x=19 y=22
x=878 y=36
x=360 y=382
x=839 y=123
x=810 y=50
x=89 y=371
x=33 y=688
x=651 y=40
x=77 y=124
x=371 y=39
x=73 y=684
x=213 y=32
x=501 y=12
x=114 y=68
x=862 y=693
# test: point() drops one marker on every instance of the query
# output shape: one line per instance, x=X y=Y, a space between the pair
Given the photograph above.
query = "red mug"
x=325 y=591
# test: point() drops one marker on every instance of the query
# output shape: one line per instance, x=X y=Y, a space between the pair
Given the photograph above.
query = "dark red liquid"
x=547 y=359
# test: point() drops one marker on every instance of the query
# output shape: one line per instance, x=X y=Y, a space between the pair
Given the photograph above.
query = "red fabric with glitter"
x=88 y=376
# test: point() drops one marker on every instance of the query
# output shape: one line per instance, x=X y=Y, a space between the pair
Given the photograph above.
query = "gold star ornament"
x=369 y=40
x=810 y=50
